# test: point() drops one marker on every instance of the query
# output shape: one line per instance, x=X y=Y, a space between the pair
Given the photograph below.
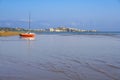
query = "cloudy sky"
x=91 y=14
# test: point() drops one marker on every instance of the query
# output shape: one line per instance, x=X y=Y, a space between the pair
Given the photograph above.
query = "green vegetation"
x=11 y=29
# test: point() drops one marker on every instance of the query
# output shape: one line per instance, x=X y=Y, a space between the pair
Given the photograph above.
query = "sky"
x=86 y=14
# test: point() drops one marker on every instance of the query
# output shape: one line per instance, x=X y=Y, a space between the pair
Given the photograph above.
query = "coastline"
x=9 y=33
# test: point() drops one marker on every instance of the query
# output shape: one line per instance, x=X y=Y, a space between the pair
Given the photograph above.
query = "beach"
x=60 y=57
x=9 y=33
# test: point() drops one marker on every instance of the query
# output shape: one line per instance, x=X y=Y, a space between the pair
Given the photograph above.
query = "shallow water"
x=60 y=57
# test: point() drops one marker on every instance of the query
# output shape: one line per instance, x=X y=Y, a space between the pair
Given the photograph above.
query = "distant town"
x=58 y=29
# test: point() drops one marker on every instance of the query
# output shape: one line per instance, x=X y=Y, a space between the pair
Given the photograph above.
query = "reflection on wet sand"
x=71 y=69
x=41 y=60
x=28 y=38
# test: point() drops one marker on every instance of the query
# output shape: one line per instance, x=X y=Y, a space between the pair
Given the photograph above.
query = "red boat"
x=27 y=35
x=27 y=38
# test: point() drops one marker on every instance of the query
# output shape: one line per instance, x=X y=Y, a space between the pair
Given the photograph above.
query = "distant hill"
x=13 y=24
x=24 y=24
x=35 y=24
x=54 y=24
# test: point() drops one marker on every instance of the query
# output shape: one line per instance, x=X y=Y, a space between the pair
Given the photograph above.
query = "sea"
x=61 y=56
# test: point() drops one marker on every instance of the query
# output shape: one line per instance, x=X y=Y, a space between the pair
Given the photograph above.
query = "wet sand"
x=58 y=57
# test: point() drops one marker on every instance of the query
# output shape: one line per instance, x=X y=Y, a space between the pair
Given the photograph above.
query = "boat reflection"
x=27 y=38
x=29 y=42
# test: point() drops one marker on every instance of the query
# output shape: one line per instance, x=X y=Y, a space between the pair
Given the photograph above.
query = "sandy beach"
x=9 y=33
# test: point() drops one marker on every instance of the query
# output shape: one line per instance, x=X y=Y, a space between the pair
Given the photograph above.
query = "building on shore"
x=58 y=29
x=65 y=29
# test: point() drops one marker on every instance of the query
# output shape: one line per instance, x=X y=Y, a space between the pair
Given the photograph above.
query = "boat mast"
x=29 y=21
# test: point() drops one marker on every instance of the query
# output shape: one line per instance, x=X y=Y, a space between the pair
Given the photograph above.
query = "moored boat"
x=28 y=34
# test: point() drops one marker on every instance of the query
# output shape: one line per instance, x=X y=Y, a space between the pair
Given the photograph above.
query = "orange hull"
x=27 y=35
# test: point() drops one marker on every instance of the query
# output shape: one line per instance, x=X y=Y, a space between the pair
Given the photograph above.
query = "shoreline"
x=9 y=33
